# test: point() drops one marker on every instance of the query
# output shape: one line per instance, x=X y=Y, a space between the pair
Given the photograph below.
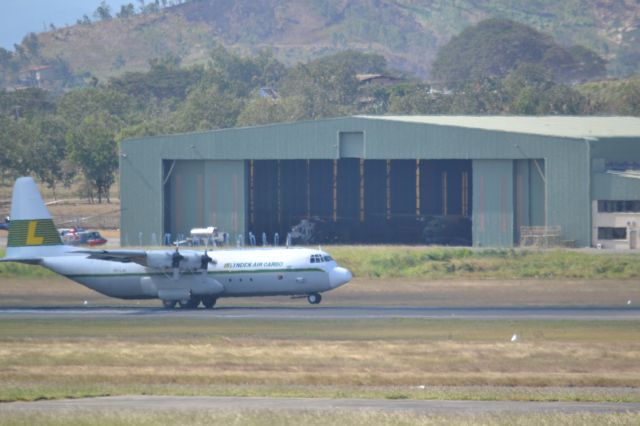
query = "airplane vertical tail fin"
x=32 y=234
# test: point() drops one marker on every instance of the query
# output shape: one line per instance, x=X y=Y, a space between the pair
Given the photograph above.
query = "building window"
x=608 y=233
x=618 y=206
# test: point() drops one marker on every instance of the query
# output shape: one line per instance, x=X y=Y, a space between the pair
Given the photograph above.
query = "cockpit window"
x=318 y=258
x=328 y=258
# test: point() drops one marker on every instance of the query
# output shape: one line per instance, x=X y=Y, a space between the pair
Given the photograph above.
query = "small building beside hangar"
x=490 y=181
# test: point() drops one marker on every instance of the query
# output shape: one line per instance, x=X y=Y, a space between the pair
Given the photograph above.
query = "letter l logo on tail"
x=32 y=238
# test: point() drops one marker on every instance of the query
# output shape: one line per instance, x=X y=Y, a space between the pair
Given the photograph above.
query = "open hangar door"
x=351 y=200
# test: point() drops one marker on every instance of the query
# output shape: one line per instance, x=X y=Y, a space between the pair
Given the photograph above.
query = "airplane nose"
x=339 y=276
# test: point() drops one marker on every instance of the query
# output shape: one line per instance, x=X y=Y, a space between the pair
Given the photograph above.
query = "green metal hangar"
x=486 y=181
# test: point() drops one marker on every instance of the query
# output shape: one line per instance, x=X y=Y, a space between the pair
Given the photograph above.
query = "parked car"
x=92 y=238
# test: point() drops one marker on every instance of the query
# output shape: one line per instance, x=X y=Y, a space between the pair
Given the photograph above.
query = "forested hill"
x=407 y=32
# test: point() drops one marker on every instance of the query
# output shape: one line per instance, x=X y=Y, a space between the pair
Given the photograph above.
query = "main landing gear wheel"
x=190 y=303
x=209 y=302
x=314 y=298
x=169 y=304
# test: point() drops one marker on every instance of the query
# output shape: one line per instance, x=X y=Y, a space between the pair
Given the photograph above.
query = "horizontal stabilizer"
x=33 y=261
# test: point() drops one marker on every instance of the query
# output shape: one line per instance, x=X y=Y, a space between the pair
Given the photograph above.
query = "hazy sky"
x=20 y=17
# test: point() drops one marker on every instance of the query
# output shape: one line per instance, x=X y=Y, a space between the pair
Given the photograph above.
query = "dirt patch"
x=81 y=213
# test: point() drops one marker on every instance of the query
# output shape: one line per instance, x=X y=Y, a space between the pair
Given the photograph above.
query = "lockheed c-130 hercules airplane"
x=186 y=277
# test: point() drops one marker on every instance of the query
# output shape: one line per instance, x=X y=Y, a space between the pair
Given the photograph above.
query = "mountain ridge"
x=407 y=32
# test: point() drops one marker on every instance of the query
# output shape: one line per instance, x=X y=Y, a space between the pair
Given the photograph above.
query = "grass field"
x=452 y=359
x=357 y=418
x=443 y=263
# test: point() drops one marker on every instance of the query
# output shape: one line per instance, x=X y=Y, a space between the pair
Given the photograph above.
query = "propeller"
x=176 y=258
x=205 y=260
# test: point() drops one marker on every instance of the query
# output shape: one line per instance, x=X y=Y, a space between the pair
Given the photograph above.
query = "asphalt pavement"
x=340 y=312
x=186 y=403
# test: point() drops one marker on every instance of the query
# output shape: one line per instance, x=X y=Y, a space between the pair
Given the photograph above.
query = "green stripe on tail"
x=35 y=232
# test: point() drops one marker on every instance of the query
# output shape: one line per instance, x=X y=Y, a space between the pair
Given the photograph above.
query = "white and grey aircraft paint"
x=186 y=277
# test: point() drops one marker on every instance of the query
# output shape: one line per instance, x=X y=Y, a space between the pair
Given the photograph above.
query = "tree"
x=530 y=90
x=164 y=80
x=31 y=44
x=208 y=108
x=103 y=12
x=15 y=136
x=616 y=96
x=332 y=79
x=92 y=147
x=126 y=11
x=266 y=111
x=588 y=64
x=484 y=96
x=528 y=75
x=418 y=99
x=151 y=7
x=5 y=57
x=327 y=87
x=232 y=73
x=495 y=47
x=47 y=151
x=77 y=104
x=25 y=103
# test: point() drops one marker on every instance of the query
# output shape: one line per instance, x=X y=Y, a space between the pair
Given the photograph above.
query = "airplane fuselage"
x=252 y=272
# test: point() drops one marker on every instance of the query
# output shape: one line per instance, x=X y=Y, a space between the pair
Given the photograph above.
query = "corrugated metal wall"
x=608 y=186
x=566 y=170
x=529 y=195
x=493 y=203
x=204 y=193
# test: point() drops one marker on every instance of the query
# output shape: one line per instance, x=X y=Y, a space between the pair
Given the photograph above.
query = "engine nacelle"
x=188 y=260
x=191 y=260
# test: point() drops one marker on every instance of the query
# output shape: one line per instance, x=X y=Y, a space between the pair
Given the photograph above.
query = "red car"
x=91 y=238
x=75 y=237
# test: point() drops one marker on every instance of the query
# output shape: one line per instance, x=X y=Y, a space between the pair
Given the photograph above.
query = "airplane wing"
x=124 y=256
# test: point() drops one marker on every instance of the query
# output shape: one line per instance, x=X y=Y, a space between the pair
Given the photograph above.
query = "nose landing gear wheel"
x=314 y=298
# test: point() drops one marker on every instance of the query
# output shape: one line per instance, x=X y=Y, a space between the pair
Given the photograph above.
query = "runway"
x=199 y=403
x=336 y=313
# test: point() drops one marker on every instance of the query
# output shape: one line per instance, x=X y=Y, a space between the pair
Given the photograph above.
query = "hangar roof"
x=583 y=127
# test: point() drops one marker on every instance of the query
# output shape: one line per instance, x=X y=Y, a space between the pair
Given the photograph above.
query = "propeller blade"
x=176 y=258
x=205 y=260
